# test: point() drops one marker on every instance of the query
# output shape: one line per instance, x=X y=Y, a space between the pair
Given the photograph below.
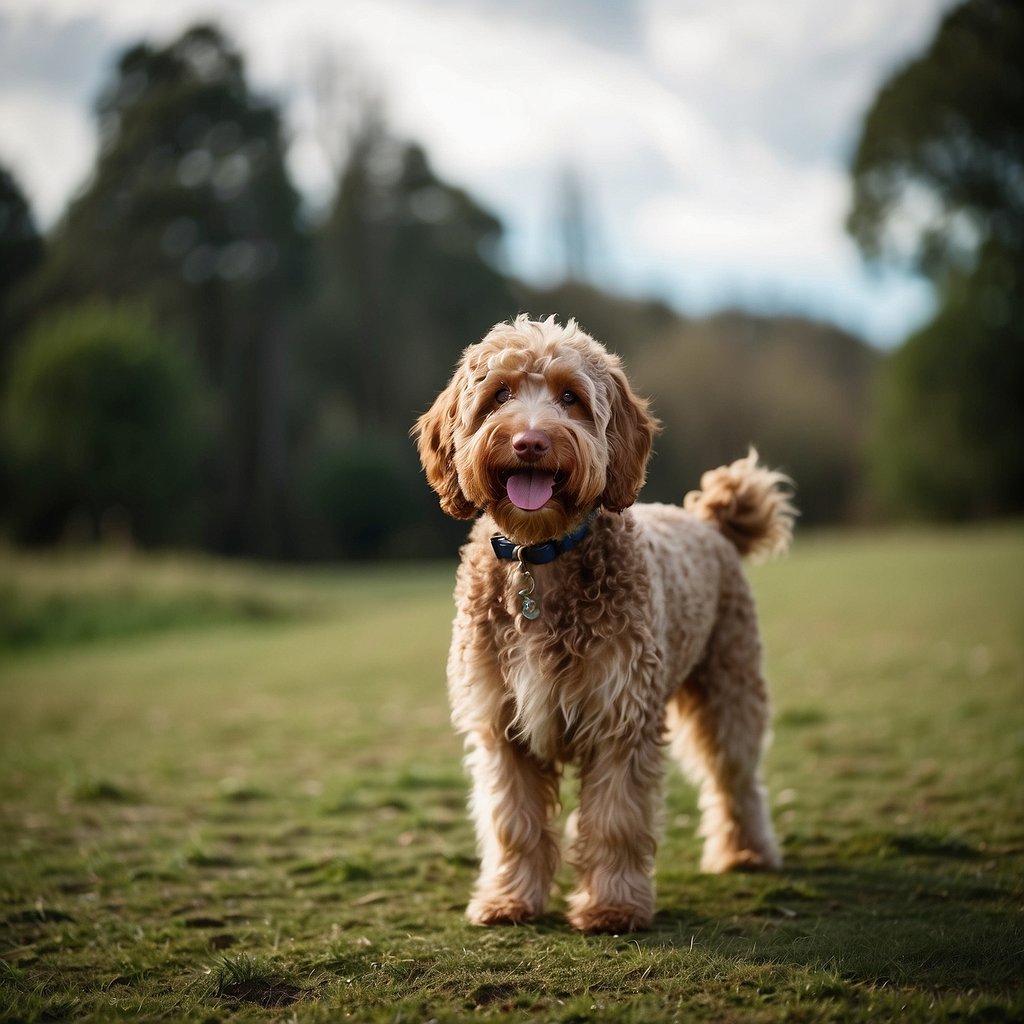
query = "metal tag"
x=531 y=609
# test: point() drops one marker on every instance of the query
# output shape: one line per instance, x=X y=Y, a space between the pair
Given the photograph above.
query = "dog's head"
x=537 y=427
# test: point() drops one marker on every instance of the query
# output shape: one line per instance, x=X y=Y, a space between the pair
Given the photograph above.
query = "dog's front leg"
x=615 y=836
x=515 y=797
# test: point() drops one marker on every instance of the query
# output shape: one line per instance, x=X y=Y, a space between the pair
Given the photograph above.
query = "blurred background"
x=242 y=245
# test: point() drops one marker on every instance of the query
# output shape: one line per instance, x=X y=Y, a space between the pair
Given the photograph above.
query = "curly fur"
x=647 y=631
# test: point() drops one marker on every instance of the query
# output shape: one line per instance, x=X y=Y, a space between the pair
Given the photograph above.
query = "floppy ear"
x=630 y=436
x=435 y=439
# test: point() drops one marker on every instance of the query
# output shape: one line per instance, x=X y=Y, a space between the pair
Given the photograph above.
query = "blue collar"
x=540 y=554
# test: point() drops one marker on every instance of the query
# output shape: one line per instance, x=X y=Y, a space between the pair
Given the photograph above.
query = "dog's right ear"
x=435 y=439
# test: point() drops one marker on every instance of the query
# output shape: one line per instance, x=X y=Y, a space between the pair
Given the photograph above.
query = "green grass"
x=62 y=599
x=229 y=793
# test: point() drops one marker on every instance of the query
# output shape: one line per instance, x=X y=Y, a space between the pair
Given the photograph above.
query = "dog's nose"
x=531 y=444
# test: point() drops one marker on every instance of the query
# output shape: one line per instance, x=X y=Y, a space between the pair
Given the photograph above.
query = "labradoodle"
x=591 y=631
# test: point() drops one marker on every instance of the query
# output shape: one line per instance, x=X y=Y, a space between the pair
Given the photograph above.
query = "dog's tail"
x=749 y=504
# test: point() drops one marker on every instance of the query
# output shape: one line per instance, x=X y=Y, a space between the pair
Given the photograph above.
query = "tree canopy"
x=190 y=209
x=190 y=191
x=939 y=186
x=939 y=168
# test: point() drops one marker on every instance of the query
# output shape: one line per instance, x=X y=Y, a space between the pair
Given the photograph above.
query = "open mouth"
x=530 y=488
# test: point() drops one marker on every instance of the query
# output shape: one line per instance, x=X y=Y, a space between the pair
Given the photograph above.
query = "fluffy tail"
x=749 y=504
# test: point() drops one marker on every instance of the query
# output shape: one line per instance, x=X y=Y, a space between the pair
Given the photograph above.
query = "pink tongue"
x=531 y=489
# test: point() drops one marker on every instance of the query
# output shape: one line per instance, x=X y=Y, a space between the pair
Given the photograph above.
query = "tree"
x=103 y=422
x=949 y=423
x=21 y=251
x=406 y=278
x=938 y=178
x=190 y=208
x=574 y=224
x=938 y=168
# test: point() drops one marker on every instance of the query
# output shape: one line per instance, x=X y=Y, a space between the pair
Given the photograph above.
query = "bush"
x=949 y=421
x=363 y=489
x=102 y=421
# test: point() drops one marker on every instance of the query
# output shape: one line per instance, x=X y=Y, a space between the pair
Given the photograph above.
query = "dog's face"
x=537 y=427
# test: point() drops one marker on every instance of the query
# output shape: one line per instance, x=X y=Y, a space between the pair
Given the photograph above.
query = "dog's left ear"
x=630 y=435
x=435 y=439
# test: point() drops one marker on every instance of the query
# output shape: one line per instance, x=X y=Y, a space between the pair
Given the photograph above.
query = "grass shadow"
x=925 y=914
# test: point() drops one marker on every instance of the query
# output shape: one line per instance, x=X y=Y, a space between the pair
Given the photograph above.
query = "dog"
x=592 y=631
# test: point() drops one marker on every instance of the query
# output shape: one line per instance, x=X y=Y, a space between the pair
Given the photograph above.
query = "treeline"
x=298 y=353
x=186 y=359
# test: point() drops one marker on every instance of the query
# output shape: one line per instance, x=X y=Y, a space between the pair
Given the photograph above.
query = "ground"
x=231 y=793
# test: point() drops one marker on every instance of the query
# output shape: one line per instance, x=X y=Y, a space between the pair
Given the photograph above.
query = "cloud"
x=799 y=74
x=57 y=58
x=37 y=128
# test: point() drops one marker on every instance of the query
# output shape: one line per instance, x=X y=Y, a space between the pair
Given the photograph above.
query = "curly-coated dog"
x=590 y=630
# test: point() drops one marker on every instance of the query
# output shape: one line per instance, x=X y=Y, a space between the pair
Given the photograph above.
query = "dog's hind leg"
x=718 y=725
x=515 y=797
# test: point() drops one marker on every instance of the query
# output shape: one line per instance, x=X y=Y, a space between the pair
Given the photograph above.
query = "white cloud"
x=800 y=73
x=49 y=146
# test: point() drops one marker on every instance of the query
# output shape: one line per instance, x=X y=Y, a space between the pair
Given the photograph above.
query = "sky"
x=710 y=139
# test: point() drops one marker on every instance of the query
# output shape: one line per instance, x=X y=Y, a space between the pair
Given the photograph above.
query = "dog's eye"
x=568 y=398
x=502 y=395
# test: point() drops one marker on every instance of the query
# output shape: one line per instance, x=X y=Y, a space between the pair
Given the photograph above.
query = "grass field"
x=229 y=793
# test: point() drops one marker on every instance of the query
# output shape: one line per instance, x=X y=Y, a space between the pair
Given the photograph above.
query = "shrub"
x=949 y=421
x=102 y=421
x=363 y=490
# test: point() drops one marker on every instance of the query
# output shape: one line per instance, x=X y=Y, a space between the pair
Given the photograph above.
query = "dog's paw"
x=615 y=920
x=500 y=910
x=591 y=916
x=718 y=860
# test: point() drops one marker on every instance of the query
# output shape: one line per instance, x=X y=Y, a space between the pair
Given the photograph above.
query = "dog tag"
x=530 y=607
